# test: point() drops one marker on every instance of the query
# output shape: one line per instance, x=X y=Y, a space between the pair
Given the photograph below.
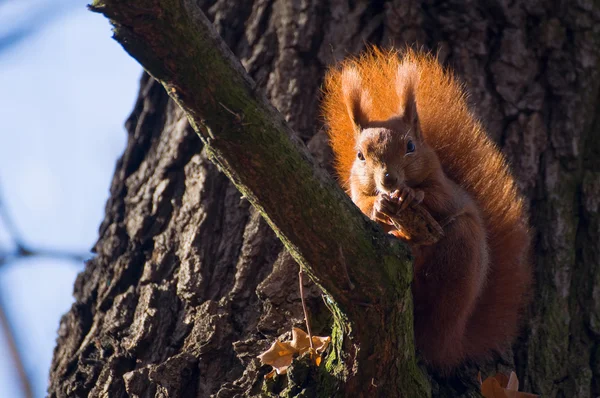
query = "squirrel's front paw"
x=384 y=208
x=405 y=197
x=387 y=206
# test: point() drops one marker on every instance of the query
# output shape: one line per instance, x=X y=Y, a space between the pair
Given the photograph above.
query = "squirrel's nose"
x=388 y=180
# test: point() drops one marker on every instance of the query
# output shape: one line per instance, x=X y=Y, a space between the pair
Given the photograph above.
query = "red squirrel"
x=403 y=135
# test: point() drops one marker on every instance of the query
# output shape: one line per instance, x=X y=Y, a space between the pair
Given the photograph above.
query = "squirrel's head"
x=389 y=153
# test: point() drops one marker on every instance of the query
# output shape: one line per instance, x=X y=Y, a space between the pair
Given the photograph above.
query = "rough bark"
x=189 y=283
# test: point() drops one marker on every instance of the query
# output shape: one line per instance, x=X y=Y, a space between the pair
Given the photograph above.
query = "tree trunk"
x=190 y=284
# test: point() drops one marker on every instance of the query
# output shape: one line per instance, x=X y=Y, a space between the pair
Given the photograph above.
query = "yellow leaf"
x=491 y=389
x=281 y=353
x=300 y=340
x=321 y=343
x=502 y=379
x=513 y=382
x=270 y=375
x=279 y=356
x=502 y=386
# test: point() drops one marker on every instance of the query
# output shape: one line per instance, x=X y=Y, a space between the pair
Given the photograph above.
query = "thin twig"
x=22 y=249
x=343 y=261
x=9 y=224
x=238 y=117
x=14 y=352
x=310 y=339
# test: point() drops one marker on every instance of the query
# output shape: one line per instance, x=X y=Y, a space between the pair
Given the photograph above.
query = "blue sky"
x=67 y=89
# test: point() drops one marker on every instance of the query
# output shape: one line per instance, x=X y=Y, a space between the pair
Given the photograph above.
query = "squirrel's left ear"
x=357 y=99
x=406 y=81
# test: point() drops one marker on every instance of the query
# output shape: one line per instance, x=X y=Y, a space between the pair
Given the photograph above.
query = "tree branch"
x=313 y=217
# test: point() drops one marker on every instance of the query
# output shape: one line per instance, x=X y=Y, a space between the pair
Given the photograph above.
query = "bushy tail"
x=468 y=157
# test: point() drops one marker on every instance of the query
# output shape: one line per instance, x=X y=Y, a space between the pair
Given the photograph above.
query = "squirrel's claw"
x=406 y=197
x=383 y=209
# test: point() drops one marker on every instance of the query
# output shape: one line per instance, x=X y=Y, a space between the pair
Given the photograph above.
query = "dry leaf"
x=491 y=389
x=517 y=394
x=502 y=379
x=502 y=386
x=281 y=354
x=270 y=375
x=318 y=360
x=299 y=341
x=513 y=382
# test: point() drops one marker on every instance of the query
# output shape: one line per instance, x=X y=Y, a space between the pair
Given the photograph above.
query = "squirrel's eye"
x=410 y=147
x=360 y=156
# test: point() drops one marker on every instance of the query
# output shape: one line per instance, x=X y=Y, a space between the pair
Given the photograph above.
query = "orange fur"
x=468 y=159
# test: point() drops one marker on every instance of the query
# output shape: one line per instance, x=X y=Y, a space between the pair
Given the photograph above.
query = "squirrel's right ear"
x=358 y=101
x=406 y=82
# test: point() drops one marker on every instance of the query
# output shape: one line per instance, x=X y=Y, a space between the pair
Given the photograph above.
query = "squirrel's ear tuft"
x=406 y=82
x=357 y=99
